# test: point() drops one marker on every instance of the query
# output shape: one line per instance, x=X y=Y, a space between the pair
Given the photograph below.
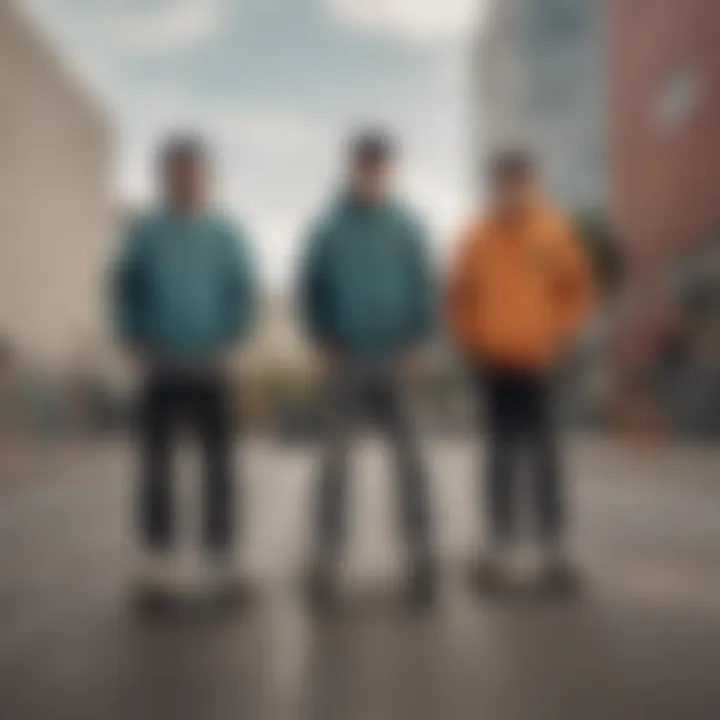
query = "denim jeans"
x=355 y=393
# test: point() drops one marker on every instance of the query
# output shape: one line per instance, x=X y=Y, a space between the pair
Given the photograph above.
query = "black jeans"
x=521 y=426
x=203 y=403
x=359 y=392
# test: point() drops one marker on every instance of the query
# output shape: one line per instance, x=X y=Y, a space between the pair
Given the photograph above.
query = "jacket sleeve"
x=463 y=293
x=128 y=288
x=574 y=287
x=423 y=287
x=312 y=296
x=242 y=290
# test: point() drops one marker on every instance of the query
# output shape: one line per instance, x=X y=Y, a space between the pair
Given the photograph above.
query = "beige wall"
x=56 y=222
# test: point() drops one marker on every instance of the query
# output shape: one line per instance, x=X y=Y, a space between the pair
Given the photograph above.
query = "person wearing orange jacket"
x=519 y=294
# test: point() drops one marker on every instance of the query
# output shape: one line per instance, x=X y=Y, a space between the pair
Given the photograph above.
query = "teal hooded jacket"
x=367 y=285
x=184 y=288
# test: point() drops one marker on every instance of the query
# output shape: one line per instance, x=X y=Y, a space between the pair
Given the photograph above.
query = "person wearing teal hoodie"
x=184 y=296
x=367 y=300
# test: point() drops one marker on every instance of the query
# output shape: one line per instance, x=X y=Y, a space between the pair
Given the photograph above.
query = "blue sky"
x=276 y=84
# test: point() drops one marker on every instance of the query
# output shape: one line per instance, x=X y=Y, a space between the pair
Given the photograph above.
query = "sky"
x=276 y=85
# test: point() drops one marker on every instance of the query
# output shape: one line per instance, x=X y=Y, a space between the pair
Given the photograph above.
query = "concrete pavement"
x=644 y=642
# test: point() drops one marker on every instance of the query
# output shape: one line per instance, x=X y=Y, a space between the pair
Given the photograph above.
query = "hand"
x=219 y=363
x=412 y=365
x=329 y=360
x=138 y=357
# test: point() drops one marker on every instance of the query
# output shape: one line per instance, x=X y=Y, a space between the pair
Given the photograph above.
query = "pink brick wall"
x=665 y=180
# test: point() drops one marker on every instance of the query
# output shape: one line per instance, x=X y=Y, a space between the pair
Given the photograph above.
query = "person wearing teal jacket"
x=367 y=288
x=184 y=296
x=185 y=287
x=367 y=300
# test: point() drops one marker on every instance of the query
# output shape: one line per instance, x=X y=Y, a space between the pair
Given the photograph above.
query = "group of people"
x=185 y=294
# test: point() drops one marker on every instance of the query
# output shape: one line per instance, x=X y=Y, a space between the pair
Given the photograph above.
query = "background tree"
x=604 y=248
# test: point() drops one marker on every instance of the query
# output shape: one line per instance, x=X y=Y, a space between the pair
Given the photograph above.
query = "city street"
x=643 y=641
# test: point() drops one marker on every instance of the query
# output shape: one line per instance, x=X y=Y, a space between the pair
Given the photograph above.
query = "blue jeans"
x=358 y=392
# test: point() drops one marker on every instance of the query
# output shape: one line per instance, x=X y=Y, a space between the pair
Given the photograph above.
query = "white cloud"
x=234 y=124
x=111 y=27
x=270 y=129
x=417 y=20
x=174 y=25
x=262 y=149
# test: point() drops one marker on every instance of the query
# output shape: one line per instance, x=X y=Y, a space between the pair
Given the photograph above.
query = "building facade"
x=56 y=217
x=621 y=101
x=665 y=123
x=541 y=78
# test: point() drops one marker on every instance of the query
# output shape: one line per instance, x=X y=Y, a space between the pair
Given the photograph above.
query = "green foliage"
x=604 y=249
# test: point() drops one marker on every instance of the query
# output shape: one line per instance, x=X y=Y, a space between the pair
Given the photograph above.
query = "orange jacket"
x=519 y=291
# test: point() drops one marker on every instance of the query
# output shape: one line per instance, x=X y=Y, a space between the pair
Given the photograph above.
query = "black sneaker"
x=155 y=590
x=421 y=590
x=224 y=582
x=322 y=587
x=487 y=575
x=560 y=578
x=153 y=600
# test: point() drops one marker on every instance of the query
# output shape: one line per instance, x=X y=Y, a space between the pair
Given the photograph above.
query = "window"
x=560 y=19
x=680 y=96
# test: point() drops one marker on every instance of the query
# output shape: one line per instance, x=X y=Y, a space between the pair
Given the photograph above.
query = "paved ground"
x=643 y=643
